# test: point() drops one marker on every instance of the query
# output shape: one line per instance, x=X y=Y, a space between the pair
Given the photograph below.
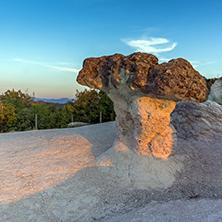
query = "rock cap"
x=140 y=73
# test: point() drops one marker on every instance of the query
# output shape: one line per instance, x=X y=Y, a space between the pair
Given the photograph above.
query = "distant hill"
x=60 y=101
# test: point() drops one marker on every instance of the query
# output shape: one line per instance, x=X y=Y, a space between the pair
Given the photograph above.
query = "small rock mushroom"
x=144 y=94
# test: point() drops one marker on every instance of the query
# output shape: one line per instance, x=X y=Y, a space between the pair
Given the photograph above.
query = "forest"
x=18 y=111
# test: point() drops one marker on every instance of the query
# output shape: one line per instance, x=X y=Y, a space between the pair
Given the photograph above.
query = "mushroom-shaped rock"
x=144 y=94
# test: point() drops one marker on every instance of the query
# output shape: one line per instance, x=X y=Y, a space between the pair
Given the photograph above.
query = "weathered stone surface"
x=141 y=73
x=142 y=171
x=144 y=125
x=115 y=70
x=144 y=94
x=196 y=120
x=179 y=78
x=216 y=91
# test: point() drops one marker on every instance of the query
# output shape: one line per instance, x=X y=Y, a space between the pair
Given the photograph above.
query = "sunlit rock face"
x=144 y=125
x=144 y=94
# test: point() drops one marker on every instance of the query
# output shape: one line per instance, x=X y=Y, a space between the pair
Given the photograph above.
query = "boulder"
x=144 y=94
x=197 y=120
x=77 y=124
x=216 y=91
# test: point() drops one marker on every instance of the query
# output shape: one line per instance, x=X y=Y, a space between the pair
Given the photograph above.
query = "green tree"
x=106 y=107
x=70 y=109
x=42 y=114
x=18 y=110
x=89 y=104
x=66 y=116
x=54 y=117
x=15 y=106
x=17 y=99
x=24 y=121
x=87 y=107
x=7 y=116
x=210 y=82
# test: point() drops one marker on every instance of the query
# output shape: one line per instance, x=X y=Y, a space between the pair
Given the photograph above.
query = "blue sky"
x=43 y=43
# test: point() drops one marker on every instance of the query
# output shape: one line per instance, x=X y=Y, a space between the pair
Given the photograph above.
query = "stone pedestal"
x=144 y=125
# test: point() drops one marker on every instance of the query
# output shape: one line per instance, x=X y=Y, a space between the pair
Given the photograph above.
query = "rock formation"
x=144 y=94
x=77 y=124
x=216 y=91
x=197 y=120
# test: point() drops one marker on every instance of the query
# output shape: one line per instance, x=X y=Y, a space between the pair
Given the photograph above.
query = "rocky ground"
x=52 y=175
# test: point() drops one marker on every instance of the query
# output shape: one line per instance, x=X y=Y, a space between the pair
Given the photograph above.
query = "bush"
x=210 y=82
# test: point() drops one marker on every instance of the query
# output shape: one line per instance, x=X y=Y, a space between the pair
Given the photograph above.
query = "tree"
x=7 y=116
x=66 y=116
x=42 y=114
x=13 y=113
x=17 y=99
x=70 y=110
x=89 y=104
x=18 y=110
x=24 y=120
x=210 y=82
x=106 y=107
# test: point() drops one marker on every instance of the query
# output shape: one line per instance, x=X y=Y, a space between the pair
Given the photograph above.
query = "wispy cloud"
x=151 y=45
x=194 y=63
x=66 y=69
x=163 y=59
x=60 y=66
x=199 y=64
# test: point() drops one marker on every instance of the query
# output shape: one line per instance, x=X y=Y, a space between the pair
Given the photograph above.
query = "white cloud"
x=18 y=60
x=197 y=64
x=62 y=68
x=163 y=59
x=56 y=67
x=151 y=45
x=204 y=63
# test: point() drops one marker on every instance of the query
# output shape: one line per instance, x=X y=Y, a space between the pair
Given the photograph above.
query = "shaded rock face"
x=115 y=70
x=196 y=120
x=144 y=94
x=216 y=91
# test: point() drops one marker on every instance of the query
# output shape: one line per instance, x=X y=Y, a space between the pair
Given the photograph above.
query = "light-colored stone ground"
x=179 y=210
x=51 y=175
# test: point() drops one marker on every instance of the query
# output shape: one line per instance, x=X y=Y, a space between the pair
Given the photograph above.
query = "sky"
x=43 y=43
